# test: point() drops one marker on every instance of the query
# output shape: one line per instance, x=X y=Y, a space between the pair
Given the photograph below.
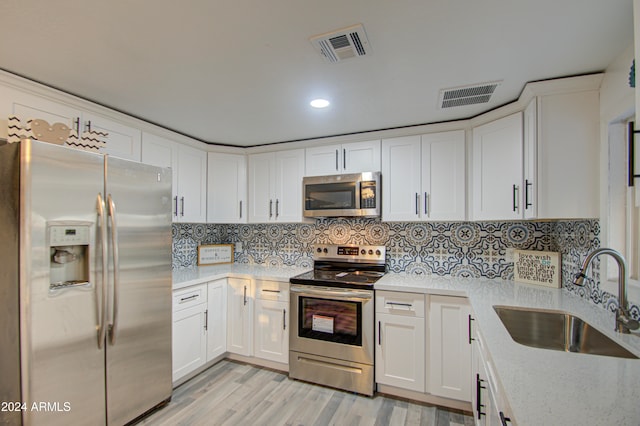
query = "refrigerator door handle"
x=113 y=327
x=102 y=223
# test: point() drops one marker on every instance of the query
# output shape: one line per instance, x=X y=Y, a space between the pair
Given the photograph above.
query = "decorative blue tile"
x=462 y=249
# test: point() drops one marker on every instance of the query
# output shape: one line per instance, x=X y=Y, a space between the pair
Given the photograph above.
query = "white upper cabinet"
x=352 y=157
x=226 y=188
x=27 y=106
x=401 y=179
x=123 y=141
x=423 y=177
x=189 y=168
x=497 y=169
x=561 y=137
x=443 y=176
x=275 y=186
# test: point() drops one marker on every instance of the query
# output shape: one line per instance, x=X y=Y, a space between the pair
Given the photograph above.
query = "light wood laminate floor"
x=231 y=393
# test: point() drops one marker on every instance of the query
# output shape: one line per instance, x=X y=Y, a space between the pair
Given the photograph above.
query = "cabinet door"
x=27 y=106
x=497 y=169
x=400 y=351
x=189 y=340
x=216 y=318
x=271 y=339
x=239 y=316
x=443 y=176
x=323 y=160
x=226 y=188
x=162 y=152
x=361 y=157
x=261 y=180
x=530 y=198
x=401 y=179
x=449 y=347
x=192 y=185
x=123 y=141
x=288 y=194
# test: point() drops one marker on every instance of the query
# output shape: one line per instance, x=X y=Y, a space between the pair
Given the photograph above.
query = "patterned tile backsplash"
x=465 y=249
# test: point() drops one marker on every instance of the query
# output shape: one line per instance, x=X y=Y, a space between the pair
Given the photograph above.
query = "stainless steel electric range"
x=331 y=339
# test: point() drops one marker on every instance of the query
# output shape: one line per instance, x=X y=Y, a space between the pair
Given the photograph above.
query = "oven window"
x=333 y=196
x=331 y=320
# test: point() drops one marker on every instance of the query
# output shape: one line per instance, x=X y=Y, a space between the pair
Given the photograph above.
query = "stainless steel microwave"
x=356 y=194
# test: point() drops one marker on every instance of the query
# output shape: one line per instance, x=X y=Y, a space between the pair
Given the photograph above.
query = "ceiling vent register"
x=467 y=95
x=339 y=45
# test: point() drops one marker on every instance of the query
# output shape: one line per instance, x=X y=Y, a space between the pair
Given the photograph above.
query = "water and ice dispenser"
x=69 y=251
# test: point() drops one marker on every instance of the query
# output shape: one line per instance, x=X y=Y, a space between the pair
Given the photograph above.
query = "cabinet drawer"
x=399 y=303
x=188 y=297
x=272 y=290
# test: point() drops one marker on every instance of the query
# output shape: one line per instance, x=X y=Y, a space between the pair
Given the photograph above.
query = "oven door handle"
x=340 y=294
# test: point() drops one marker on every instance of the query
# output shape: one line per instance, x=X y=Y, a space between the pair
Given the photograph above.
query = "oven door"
x=332 y=322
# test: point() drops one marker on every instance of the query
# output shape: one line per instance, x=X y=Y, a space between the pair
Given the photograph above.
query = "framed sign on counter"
x=215 y=254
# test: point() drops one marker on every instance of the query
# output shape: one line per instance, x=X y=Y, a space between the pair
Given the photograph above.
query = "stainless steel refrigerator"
x=85 y=286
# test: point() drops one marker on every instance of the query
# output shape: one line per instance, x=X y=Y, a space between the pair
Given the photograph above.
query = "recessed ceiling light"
x=319 y=103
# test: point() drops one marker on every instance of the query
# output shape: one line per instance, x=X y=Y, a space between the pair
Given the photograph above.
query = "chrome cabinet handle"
x=337 y=160
x=181 y=206
x=206 y=320
x=426 y=204
x=379 y=334
x=175 y=205
x=113 y=329
x=77 y=125
x=270 y=209
x=102 y=223
x=270 y=291
x=344 y=159
x=417 y=204
x=240 y=209
x=186 y=299
x=87 y=126
x=277 y=208
x=244 y=297
x=471 y=339
x=516 y=189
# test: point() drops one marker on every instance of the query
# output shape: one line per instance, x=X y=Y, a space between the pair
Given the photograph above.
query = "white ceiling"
x=242 y=72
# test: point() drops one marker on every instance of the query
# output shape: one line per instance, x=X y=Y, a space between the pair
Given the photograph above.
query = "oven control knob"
x=378 y=253
x=363 y=252
x=370 y=252
x=319 y=250
x=325 y=250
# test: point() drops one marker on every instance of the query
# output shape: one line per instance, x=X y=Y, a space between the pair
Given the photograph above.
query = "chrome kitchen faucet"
x=623 y=322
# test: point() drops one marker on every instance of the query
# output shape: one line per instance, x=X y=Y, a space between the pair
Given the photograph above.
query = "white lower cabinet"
x=239 y=316
x=216 y=318
x=449 y=347
x=487 y=399
x=271 y=331
x=189 y=330
x=400 y=340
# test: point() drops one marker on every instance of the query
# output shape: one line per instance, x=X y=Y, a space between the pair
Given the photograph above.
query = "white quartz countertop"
x=202 y=274
x=545 y=387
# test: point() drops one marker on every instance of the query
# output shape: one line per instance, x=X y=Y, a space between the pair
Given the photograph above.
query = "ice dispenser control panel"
x=69 y=255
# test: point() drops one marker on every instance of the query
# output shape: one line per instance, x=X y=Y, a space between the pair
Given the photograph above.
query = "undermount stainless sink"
x=557 y=330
